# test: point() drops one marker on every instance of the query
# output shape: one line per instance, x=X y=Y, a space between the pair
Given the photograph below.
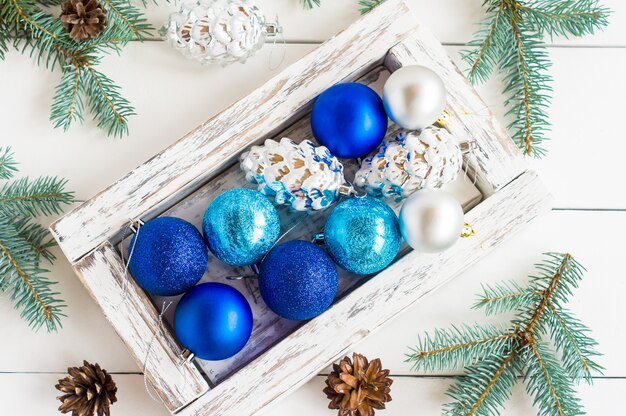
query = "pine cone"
x=89 y=390
x=357 y=389
x=83 y=19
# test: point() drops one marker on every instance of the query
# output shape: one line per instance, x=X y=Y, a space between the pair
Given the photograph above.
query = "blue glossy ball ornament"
x=167 y=256
x=298 y=280
x=349 y=119
x=362 y=235
x=240 y=226
x=213 y=321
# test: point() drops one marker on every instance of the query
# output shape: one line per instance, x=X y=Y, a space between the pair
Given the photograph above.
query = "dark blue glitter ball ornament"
x=168 y=256
x=298 y=280
x=349 y=119
x=362 y=235
x=240 y=226
x=213 y=321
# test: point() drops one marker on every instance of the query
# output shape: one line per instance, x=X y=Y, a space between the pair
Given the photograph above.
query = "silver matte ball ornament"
x=414 y=97
x=431 y=220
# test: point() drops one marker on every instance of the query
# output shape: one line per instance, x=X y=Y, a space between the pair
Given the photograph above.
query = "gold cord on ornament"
x=468 y=231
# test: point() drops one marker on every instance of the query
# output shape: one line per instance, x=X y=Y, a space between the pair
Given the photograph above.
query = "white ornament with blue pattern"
x=303 y=176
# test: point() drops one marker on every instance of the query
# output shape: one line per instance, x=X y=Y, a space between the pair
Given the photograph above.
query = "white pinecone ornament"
x=303 y=176
x=218 y=31
x=409 y=162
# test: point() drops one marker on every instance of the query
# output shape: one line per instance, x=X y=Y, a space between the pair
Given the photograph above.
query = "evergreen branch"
x=527 y=86
x=548 y=383
x=110 y=109
x=485 y=388
x=507 y=297
x=309 y=4
x=570 y=337
x=487 y=45
x=494 y=357
x=42 y=196
x=566 y=17
x=37 y=237
x=511 y=38
x=30 y=290
x=67 y=103
x=128 y=19
x=369 y=5
x=458 y=347
x=8 y=165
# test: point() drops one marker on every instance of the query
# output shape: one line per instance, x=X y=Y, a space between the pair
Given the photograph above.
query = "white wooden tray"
x=186 y=176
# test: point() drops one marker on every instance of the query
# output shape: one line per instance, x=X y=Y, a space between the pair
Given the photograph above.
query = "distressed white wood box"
x=500 y=194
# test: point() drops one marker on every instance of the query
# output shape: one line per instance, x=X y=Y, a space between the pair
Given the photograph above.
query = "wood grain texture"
x=136 y=321
x=203 y=153
x=497 y=160
x=320 y=341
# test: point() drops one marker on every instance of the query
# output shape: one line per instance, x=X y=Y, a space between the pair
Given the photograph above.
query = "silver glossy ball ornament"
x=431 y=220
x=414 y=97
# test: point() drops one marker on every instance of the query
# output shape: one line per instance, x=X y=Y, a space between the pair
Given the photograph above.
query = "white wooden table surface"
x=584 y=169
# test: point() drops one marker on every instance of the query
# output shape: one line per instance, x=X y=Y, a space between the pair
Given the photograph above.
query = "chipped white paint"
x=185 y=177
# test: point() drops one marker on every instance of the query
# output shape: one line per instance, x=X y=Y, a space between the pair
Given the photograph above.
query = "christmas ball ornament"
x=414 y=97
x=431 y=220
x=240 y=226
x=213 y=321
x=167 y=256
x=409 y=162
x=302 y=176
x=349 y=119
x=298 y=280
x=218 y=31
x=83 y=19
x=362 y=235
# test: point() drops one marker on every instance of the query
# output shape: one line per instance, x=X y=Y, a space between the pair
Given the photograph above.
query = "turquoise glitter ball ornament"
x=298 y=280
x=213 y=321
x=349 y=119
x=241 y=226
x=167 y=256
x=362 y=235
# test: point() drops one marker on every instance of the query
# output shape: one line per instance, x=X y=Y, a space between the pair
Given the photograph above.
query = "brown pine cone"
x=356 y=389
x=89 y=390
x=83 y=19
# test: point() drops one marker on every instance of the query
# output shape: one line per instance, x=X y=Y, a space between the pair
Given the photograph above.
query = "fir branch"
x=8 y=166
x=485 y=388
x=41 y=36
x=26 y=283
x=549 y=384
x=505 y=297
x=570 y=336
x=494 y=357
x=41 y=196
x=111 y=110
x=309 y=4
x=566 y=17
x=459 y=346
x=369 y=5
x=37 y=237
x=511 y=39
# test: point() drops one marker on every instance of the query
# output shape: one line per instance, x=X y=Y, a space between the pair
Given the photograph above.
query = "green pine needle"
x=40 y=35
x=510 y=39
x=29 y=198
x=8 y=166
x=494 y=357
x=24 y=243
x=369 y=5
x=309 y=4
